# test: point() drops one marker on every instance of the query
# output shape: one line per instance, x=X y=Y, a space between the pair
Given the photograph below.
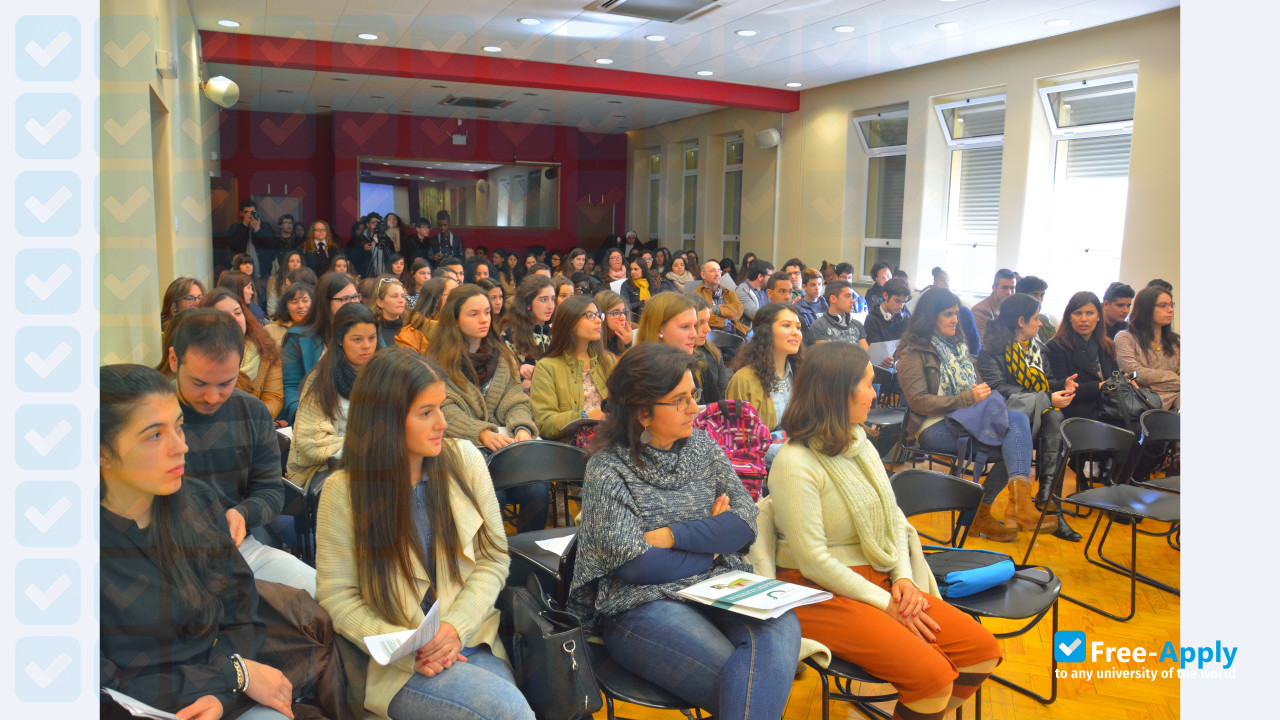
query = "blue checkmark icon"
x=1069 y=646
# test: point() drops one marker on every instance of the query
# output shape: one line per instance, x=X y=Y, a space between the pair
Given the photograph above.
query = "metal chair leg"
x=1053 y=667
x=1119 y=569
x=1132 y=573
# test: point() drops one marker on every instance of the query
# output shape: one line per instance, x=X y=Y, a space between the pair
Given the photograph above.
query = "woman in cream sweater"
x=411 y=519
x=839 y=528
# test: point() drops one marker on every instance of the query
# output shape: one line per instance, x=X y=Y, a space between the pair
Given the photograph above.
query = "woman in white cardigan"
x=411 y=519
x=839 y=528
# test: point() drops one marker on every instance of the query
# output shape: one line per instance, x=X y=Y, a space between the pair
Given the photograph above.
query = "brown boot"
x=990 y=528
x=1021 y=512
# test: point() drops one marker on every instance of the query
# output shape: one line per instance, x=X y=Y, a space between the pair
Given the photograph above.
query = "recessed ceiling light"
x=604 y=61
x=530 y=21
x=793 y=84
x=844 y=28
x=1060 y=22
x=704 y=73
x=745 y=33
x=228 y=23
x=948 y=26
x=367 y=36
x=492 y=48
x=655 y=38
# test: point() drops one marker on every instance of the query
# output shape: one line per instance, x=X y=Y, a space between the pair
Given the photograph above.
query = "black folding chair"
x=842 y=675
x=527 y=463
x=1160 y=429
x=1082 y=435
x=1028 y=595
x=618 y=684
x=725 y=341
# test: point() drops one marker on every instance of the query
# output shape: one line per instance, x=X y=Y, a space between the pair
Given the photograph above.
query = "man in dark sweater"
x=888 y=320
x=837 y=323
x=1116 y=304
x=231 y=439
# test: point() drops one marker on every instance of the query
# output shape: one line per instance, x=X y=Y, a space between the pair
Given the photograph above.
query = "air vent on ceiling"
x=672 y=11
x=475 y=102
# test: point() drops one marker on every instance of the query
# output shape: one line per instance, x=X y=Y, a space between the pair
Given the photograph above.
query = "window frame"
x=951 y=240
x=1119 y=127
x=689 y=240
x=974 y=142
x=871 y=154
x=887 y=149
x=654 y=207
x=735 y=238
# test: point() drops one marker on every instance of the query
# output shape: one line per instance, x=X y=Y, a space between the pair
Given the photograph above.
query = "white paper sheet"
x=286 y=431
x=877 y=352
x=137 y=708
x=555 y=545
x=389 y=648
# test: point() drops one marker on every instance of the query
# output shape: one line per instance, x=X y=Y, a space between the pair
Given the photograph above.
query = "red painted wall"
x=317 y=156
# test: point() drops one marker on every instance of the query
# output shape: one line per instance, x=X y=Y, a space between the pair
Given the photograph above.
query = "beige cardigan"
x=503 y=404
x=815 y=533
x=469 y=608
x=315 y=438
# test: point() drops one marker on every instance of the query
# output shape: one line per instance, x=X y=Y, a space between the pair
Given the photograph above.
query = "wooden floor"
x=1027 y=657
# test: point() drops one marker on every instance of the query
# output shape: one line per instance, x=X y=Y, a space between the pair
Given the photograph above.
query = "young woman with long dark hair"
x=295 y=302
x=618 y=334
x=497 y=298
x=1081 y=347
x=766 y=365
x=525 y=328
x=305 y=341
x=414 y=278
x=290 y=261
x=410 y=516
x=1150 y=348
x=569 y=380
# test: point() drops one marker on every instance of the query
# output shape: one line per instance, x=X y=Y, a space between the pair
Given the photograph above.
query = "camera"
x=254 y=214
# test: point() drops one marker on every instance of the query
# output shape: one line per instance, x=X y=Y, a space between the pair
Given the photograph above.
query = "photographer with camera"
x=253 y=236
x=445 y=243
x=379 y=245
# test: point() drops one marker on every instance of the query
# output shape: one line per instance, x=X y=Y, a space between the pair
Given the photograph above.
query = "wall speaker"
x=222 y=91
x=766 y=139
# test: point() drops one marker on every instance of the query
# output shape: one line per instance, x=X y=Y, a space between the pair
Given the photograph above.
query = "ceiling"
x=794 y=41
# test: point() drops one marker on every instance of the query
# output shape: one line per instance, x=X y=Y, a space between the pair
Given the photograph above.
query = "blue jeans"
x=482 y=688
x=262 y=712
x=729 y=664
x=1015 y=451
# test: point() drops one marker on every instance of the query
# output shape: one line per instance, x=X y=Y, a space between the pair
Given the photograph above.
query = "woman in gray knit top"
x=662 y=510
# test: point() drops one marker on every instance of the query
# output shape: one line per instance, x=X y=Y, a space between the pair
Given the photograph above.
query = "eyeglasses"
x=593 y=316
x=347 y=299
x=1165 y=306
x=615 y=314
x=682 y=403
x=386 y=280
x=191 y=298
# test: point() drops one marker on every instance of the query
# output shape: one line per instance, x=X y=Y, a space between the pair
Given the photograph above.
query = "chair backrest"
x=724 y=340
x=1085 y=436
x=536 y=461
x=920 y=492
x=736 y=427
x=1160 y=426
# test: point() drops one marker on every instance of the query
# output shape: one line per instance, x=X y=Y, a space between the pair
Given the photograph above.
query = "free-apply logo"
x=1073 y=646
x=1069 y=646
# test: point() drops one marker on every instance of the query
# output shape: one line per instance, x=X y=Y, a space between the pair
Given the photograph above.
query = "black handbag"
x=548 y=650
x=1121 y=404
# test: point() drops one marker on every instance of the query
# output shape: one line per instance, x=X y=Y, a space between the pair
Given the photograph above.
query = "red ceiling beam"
x=322 y=56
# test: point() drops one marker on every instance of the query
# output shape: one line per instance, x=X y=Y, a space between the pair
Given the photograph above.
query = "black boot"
x=1050 y=464
x=1064 y=530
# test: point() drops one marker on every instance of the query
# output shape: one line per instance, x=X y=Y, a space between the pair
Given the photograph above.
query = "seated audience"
x=576 y=262
x=1116 y=304
x=526 y=328
x=497 y=298
x=555 y=261
x=727 y=272
x=510 y=273
x=836 y=321
x=640 y=284
x=751 y=291
x=663 y=509
x=1150 y=349
x=306 y=340
x=398 y=324
x=1161 y=284
x=182 y=294
x=661 y=261
x=1081 y=348
x=613 y=268
x=584 y=284
x=275 y=286
x=743 y=267
x=451 y=267
x=238 y=454
x=321 y=424
x=986 y=309
x=679 y=274
x=811 y=304
x=881 y=273
x=242 y=285
x=414 y=279
x=442 y=541
x=341 y=264
x=397 y=265
x=778 y=289
x=540 y=269
x=569 y=380
x=186 y=640
x=672 y=319
x=937 y=377
x=711 y=375
x=1035 y=287
x=292 y=308
x=764 y=370
x=477 y=268
x=726 y=308
x=433 y=296
x=890 y=318
x=564 y=288
x=618 y=333
x=1013 y=361
x=794 y=270
x=260 y=372
x=839 y=529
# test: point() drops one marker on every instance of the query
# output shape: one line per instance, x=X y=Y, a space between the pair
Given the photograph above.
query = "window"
x=655 y=197
x=731 y=227
x=689 y=222
x=884 y=138
x=1092 y=126
x=974 y=130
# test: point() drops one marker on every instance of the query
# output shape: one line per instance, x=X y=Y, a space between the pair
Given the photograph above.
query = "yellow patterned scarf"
x=1026 y=366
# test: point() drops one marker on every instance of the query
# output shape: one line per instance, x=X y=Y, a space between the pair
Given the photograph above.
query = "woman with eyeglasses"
x=555 y=261
x=613 y=268
x=398 y=324
x=765 y=366
x=182 y=294
x=569 y=380
x=526 y=328
x=260 y=371
x=305 y=341
x=662 y=509
x=619 y=335
x=321 y=423
x=1150 y=349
